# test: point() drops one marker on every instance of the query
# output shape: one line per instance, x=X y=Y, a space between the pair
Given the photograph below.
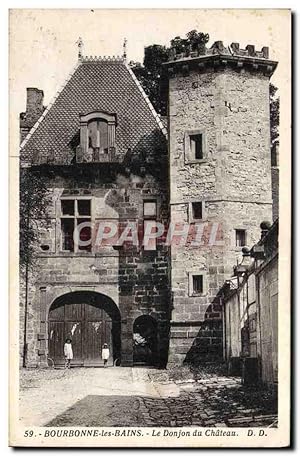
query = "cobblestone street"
x=211 y=402
x=142 y=397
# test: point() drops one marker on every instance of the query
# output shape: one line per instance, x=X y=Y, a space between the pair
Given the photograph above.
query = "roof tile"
x=98 y=85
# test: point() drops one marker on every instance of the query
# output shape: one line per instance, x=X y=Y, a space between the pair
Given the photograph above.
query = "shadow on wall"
x=208 y=343
x=145 y=341
x=144 y=275
x=149 y=153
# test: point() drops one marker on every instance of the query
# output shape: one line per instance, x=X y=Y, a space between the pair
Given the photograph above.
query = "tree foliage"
x=193 y=41
x=34 y=200
x=150 y=73
x=274 y=115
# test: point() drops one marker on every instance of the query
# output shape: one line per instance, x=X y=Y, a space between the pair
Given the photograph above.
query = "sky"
x=43 y=47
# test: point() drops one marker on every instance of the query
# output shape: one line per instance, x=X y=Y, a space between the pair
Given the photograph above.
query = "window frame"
x=82 y=152
x=149 y=218
x=192 y=219
x=196 y=143
x=235 y=238
x=191 y=275
x=74 y=217
x=98 y=149
x=195 y=277
x=189 y=157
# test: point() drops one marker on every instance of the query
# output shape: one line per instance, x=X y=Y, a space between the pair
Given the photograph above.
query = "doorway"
x=90 y=319
x=145 y=341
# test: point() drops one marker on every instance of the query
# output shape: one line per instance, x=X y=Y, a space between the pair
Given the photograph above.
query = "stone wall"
x=135 y=279
x=29 y=353
x=267 y=297
x=275 y=192
x=240 y=318
x=268 y=341
x=251 y=312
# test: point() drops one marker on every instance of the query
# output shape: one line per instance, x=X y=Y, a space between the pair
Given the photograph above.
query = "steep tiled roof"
x=95 y=85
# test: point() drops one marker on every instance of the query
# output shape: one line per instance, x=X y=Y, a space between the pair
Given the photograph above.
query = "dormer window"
x=97 y=137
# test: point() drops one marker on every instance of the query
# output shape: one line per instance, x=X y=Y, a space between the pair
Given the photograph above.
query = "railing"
x=96 y=155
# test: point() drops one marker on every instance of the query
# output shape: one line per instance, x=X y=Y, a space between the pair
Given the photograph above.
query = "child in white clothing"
x=68 y=352
x=105 y=354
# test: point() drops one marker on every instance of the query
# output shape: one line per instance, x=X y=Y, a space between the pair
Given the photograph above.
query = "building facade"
x=102 y=151
x=107 y=161
x=250 y=305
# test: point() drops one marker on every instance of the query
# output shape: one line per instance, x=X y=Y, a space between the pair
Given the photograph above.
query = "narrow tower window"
x=240 y=238
x=197 y=211
x=196 y=145
x=197 y=284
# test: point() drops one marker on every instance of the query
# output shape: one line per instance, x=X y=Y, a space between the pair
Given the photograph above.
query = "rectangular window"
x=197 y=284
x=84 y=207
x=67 y=207
x=98 y=136
x=67 y=230
x=240 y=238
x=73 y=213
x=150 y=209
x=197 y=211
x=85 y=234
x=196 y=146
x=149 y=215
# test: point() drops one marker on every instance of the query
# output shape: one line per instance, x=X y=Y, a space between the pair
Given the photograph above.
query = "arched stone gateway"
x=91 y=319
x=145 y=351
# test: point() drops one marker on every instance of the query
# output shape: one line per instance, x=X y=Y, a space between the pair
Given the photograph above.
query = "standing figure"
x=105 y=354
x=68 y=352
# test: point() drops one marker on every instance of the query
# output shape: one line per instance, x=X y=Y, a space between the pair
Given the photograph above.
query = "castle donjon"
x=112 y=164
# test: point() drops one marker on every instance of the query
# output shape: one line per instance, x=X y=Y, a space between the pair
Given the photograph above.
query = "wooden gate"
x=89 y=327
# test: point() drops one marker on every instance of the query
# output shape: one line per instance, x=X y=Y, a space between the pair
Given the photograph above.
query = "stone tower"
x=220 y=181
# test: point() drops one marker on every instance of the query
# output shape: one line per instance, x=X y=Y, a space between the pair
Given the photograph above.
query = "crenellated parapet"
x=219 y=55
x=105 y=58
x=95 y=58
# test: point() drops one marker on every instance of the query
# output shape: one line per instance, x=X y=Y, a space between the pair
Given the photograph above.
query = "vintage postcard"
x=150 y=162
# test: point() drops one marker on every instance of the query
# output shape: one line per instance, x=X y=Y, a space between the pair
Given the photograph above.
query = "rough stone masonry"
x=222 y=98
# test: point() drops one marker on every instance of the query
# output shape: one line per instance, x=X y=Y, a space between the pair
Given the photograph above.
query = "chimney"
x=34 y=104
x=34 y=109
